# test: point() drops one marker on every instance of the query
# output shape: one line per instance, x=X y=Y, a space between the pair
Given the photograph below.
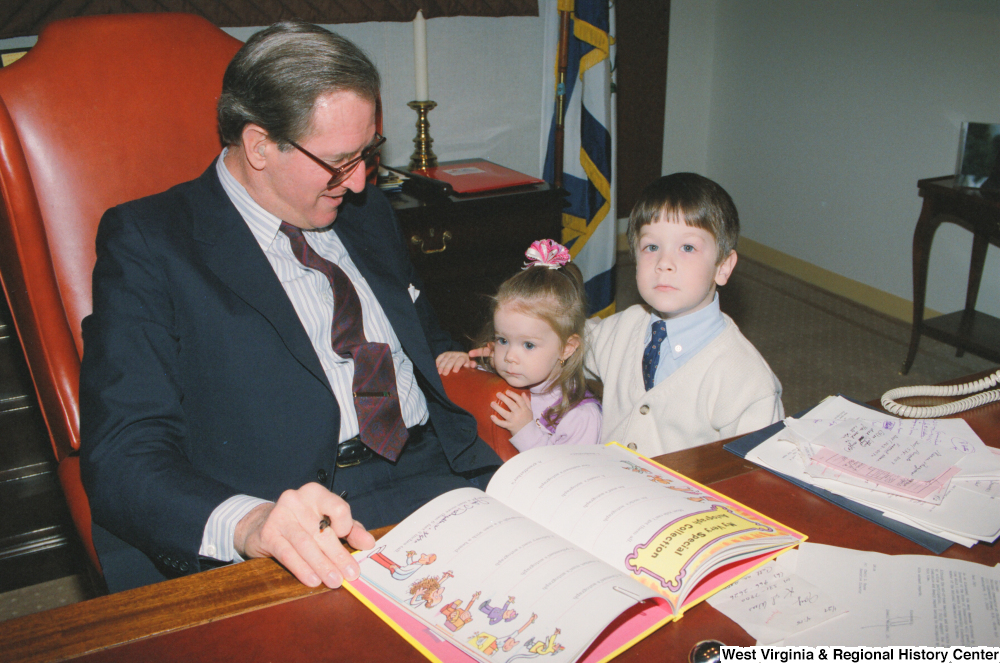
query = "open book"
x=572 y=552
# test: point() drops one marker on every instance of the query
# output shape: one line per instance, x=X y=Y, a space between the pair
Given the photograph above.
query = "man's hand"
x=449 y=362
x=289 y=531
x=518 y=413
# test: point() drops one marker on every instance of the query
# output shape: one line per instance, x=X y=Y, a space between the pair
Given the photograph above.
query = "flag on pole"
x=589 y=223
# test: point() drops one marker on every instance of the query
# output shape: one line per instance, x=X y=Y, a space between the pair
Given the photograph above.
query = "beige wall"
x=484 y=73
x=819 y=117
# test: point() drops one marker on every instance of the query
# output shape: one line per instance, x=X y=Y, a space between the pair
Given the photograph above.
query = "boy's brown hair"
x=695 y=199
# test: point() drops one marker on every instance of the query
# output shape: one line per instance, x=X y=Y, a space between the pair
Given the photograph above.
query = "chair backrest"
x=474 y=391
x=100 y=111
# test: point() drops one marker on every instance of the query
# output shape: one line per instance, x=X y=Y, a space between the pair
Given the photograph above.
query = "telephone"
x=990 y=381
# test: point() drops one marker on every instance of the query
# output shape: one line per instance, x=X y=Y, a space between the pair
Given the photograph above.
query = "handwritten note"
x=930 y=491
x=962 y=512
x=886 y=447
x=892 y=600
x=773 y=602
x=985 y=487
x=949 y=433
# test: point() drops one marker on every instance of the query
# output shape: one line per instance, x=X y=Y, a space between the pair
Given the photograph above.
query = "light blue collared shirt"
x=686 y=335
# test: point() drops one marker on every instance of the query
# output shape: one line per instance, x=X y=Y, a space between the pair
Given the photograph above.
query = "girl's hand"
x=518 y=412
x=485 y=351
x=453 y=362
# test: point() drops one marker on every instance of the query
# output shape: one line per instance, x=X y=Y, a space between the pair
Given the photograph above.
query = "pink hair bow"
x=546 y=253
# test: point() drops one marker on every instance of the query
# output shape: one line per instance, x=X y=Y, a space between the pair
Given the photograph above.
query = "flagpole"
x=563 y=63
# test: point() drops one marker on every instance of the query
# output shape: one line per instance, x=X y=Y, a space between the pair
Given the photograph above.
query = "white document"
x=884 y=446
x=988 y=487
x=969 y=513
x=773 y=602
x=950 y=433
x=896 y=600
x=817 y=464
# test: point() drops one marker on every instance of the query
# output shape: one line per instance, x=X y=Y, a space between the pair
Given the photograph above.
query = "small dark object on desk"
x=991 y=187
x=416 y=184
x=706 y=651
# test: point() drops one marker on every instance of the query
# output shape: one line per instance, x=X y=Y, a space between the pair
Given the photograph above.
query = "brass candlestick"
x=423 y=156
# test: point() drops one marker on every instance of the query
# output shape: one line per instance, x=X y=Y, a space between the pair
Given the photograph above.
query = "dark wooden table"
x=968 y=329
x=465 y=246
x=256 y=611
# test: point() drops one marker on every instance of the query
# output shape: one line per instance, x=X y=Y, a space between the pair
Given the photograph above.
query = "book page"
x=666 y=531
x=901 y=599
x=477 y=579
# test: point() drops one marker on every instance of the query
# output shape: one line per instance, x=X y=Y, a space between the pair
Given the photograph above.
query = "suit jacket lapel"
x=230 y=250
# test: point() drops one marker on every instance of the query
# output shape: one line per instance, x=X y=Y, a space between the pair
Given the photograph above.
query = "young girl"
x=536 y=342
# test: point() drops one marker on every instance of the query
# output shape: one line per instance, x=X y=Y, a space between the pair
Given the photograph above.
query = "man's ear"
x=572 y=345
x=255 y=146
x=725 y=268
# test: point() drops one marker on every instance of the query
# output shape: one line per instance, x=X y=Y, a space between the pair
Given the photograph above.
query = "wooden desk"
x=969 y=208
x=256 y=611
x=464 y=247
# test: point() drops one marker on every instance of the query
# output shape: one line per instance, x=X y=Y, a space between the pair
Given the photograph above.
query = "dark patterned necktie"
x=651 y=356
x=380 y=420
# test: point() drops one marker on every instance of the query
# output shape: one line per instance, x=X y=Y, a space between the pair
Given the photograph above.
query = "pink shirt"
x=581 y=425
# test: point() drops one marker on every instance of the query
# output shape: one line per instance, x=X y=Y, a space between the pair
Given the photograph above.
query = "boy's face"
x=675 y=267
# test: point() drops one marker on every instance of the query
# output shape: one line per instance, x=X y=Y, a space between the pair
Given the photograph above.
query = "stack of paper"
x=388 y=181
x=825 y=595
x=932 y=474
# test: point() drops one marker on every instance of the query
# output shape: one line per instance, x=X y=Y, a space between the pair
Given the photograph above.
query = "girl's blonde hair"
x=557 y=297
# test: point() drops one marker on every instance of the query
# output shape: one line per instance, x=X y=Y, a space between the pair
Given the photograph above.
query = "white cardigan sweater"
x=726 y=389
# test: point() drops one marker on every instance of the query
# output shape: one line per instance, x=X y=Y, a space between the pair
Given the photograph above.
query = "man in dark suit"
x=259 y=375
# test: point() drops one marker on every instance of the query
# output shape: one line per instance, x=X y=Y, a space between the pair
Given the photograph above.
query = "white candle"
x=420 y=55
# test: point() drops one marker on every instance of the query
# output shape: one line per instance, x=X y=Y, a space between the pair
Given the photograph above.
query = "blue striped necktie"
x=380 y=419
x=651 y=357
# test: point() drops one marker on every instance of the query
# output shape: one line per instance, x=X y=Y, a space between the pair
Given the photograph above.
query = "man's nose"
x=357 y=179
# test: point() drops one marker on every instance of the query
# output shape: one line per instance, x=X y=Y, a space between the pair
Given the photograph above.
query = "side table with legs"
x=968 y=329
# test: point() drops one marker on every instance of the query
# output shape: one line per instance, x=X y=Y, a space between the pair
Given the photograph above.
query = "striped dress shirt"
x=312 y=298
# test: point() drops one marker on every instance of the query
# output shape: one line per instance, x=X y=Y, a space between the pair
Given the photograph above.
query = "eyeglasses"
x=340 y=173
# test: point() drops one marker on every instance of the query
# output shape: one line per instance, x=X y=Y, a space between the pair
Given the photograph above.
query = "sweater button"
x=632 y=446
x=644 y=409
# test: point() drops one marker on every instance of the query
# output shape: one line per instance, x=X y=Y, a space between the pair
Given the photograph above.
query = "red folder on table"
x=477 y=175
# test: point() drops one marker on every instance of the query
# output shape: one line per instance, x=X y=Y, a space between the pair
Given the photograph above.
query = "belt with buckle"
x=353 y=452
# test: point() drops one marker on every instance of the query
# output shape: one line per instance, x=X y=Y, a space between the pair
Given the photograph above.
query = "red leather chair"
x=100 y=111
x=474 y=391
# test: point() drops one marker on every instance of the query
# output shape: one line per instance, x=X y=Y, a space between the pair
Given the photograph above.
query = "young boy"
x=677 y=371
